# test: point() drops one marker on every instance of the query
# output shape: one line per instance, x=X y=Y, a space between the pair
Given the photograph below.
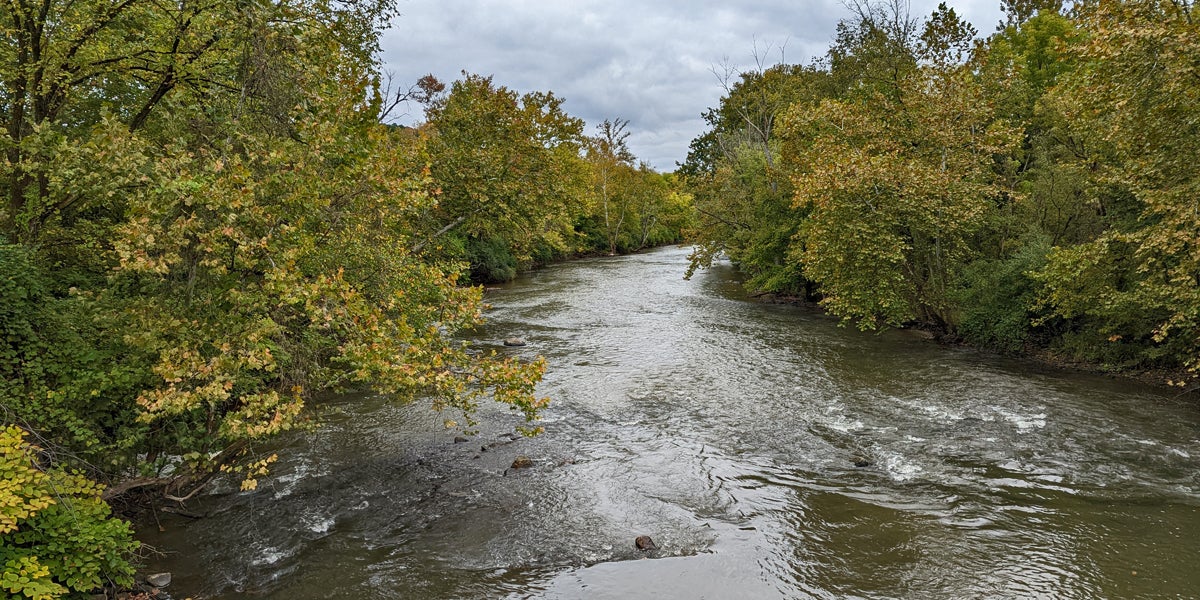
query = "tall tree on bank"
x=508 y=174
x=611 y=162
x=206 y=256
x=898 y=177
x=1134 y=102
x=742 y=198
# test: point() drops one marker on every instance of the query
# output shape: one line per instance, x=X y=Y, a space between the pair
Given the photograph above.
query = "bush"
x=58 y=373
x=491 y=260
x=57 y=536
x=998 y=299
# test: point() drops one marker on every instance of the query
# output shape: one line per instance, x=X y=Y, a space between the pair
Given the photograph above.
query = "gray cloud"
x=649 y=62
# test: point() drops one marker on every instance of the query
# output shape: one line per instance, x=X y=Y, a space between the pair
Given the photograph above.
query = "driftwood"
x=178 y=488
x=128 y=485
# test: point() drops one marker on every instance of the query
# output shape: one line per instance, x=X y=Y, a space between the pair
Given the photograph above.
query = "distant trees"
x=518 y=183
x=631 y=207
x=508 y=174
x=1029 y=190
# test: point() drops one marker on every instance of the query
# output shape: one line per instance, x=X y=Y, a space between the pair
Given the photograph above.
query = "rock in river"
x=643 y=542
x=522 y=462
x=514 y=341
x=159 y=580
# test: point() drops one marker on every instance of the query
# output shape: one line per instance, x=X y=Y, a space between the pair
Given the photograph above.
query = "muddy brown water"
x=728 y=431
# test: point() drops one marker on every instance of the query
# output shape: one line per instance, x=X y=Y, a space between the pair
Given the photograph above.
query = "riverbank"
x=1166 y=379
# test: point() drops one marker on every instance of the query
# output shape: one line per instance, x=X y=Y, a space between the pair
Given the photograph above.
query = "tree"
x=217 y=228
x=742 y=197
x=612 y=171
x=1133 y=101
x=897 y=181
x=506 y=167
x=69 y=65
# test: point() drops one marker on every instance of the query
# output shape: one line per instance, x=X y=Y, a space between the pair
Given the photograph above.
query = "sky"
x=654 y=63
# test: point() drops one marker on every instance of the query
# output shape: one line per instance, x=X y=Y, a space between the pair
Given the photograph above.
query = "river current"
x=768 y=452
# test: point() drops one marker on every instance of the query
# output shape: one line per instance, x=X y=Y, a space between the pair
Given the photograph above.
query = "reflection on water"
x=768 y=452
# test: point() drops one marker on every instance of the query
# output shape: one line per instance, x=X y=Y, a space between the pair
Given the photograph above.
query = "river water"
x=729 y=431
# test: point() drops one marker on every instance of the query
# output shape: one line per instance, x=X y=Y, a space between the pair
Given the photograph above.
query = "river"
x=768 y=452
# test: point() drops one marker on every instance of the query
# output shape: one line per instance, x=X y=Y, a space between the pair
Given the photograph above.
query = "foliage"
x=56 y=535
x=517 y=184
x=211 y=227
x=999 y=299
x=1135 y=100
x=55 y=368
x=742 y=198
x=490 y=259
x=505 y=166
x=897 y=184
x=631 y=207
x=1034 y=188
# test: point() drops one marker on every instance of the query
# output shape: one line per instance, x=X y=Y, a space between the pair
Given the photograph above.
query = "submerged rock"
x=522 y=462
x=159 y=580
x=644 y=543
x=861 y=461
x=514 y=341
x=459 y=439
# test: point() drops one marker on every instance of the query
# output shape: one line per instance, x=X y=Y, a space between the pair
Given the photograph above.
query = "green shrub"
x=57 y=536
x=59 y=373
x=997 y=299
x=491 y=260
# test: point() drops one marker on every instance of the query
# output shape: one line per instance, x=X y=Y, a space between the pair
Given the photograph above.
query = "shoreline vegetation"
x=1028 y=192
x=1156 y=378
x=209 y=221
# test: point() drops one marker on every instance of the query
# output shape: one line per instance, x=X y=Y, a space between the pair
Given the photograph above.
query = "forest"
x=210 y=220
x=1035 y=191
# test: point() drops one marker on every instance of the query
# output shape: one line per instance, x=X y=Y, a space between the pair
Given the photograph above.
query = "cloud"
x=649 y=62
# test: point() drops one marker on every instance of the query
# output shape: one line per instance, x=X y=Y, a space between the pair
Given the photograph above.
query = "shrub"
x=57 y=536
x=998 y=299
x=491 y=260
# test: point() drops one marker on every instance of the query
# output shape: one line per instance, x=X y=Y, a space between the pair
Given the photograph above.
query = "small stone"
x=522 y=462
x=459 y=439
x=644 y=543
x=861 y=462
x=159 y=580
x=514 y=341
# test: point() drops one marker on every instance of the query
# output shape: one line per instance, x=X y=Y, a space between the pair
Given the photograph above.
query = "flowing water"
x=729 y=431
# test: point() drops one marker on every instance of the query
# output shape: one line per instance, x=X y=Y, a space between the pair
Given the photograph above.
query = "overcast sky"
x=649 y=62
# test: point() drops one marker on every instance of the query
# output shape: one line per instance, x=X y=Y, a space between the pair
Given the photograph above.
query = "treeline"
x=517 y=182
x=207 y=222
x=1037 y=190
